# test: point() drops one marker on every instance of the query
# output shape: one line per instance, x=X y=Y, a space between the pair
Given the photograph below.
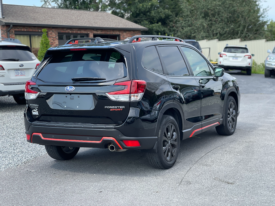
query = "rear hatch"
x=73 y=87
x=236 y=56
x=18 y=62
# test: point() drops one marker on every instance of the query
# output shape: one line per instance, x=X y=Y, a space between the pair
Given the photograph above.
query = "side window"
x=173 y=61
x=198 y=64
x=150 y=60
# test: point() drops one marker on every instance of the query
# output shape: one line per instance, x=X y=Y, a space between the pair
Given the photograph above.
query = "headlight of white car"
x=270 y=59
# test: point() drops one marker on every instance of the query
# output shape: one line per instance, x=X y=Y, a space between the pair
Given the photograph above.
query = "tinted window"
x=16 y=53
x=198 y=64
x=150 y=60
x=173 y=61
x=235 y=50
x=65 y=65
x=274 y=51
x=194 y=43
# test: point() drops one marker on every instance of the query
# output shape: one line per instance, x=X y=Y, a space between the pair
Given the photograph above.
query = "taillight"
x=37 y=66
x=29 y=93
x=248 y=56
x=131 y=143
x=133 y=91
x=1 y=68
x=221 y=55
x=28 y=137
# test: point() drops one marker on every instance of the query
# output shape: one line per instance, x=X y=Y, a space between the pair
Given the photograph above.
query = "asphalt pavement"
x=211 y=169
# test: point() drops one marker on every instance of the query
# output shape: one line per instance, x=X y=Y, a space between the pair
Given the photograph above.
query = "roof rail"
x=137 y=38
x=95 y=40
x=11 y=40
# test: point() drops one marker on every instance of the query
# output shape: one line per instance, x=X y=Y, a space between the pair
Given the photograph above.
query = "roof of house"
x=41 y=16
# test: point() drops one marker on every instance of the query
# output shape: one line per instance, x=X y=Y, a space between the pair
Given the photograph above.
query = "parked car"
x=146 y=95
x=17 y=65
x=236 y=58
x=194 y=43
x=270 y=63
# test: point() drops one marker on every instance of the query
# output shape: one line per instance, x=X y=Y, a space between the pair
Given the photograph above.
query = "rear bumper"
x=81 y=136
x=10 y=89
x=236 y=67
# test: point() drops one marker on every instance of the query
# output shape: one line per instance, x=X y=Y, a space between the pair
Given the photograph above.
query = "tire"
x=267 y=73
x=61 y=153
x=230 y=118
x=19 y=98
x=165 y=154
x=248 y=71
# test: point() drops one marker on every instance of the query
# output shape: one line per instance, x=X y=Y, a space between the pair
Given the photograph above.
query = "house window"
x=108 y=36
x=63 y=38
x=31 y=39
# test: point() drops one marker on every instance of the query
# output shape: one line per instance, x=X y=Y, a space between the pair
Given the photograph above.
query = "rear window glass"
x=150 y=60
x=16 y=53
x=194 y=43
x=65 y=65
x=235 y=50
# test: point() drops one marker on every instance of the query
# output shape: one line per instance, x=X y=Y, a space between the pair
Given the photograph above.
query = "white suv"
x=236 y=58
x=17 y=65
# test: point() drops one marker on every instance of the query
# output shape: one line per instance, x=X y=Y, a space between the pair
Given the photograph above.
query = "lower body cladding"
x=270 y=68
x=87 y=137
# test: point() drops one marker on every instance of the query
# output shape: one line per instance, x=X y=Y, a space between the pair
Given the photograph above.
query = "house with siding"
x=26 y=23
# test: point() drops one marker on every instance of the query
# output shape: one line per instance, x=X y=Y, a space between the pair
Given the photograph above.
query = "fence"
x=257 y=47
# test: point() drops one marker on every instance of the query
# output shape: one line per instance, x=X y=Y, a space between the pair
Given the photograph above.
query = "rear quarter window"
x=150 y=60
x=65 y=65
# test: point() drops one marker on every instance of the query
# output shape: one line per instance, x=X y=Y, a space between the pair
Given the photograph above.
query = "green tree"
x=159 y=16
x=270 y=31
x=90 y=5
x=44 y=45
x=221 y=19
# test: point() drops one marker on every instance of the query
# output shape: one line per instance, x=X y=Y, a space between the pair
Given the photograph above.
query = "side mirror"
x=253 y=55
x=268 y=51
x=219 y=53
x=219 y=72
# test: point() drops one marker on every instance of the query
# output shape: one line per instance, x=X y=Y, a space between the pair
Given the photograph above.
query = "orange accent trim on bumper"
x=79 y=141
x=217 y=123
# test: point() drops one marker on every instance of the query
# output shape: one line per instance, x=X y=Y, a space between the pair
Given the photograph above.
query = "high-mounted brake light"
x=221 y=55
x=29 y=93
x=248 y=56
x=1 y=68
x=78 y=49
x=132 y=91
x=37 y=66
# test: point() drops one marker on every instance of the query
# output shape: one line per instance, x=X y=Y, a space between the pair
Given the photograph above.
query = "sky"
x=266 y=3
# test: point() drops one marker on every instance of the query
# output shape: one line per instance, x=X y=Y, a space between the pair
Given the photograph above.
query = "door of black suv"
x=210 y=89
x=183 y=84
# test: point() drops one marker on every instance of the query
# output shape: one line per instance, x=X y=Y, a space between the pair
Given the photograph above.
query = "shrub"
x=44 y=45
x=258 y=68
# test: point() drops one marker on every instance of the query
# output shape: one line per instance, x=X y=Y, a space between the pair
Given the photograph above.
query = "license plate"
x=19 y=73
x=235 y=58
x=71 y=102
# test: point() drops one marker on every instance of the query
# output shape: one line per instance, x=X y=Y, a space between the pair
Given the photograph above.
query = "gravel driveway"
x=211 y=169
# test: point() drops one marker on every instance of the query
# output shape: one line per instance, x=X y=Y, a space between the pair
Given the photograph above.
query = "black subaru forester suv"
x=147 y=95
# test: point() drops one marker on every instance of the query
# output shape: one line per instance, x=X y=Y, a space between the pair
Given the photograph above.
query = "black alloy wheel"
x=61 y=153
x=167 y=148
x=230 y=118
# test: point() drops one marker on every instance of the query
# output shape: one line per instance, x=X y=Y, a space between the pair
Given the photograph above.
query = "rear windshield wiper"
x=10 y=60
x=87 y=78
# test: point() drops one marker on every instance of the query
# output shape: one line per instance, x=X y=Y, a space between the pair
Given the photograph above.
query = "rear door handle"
x=176 y=87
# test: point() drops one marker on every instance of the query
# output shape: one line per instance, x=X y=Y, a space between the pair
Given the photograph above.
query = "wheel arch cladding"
x=235 y=96
x=177 y=116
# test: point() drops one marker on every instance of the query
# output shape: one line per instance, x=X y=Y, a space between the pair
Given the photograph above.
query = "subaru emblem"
x=21 y=65
x=69 y=88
